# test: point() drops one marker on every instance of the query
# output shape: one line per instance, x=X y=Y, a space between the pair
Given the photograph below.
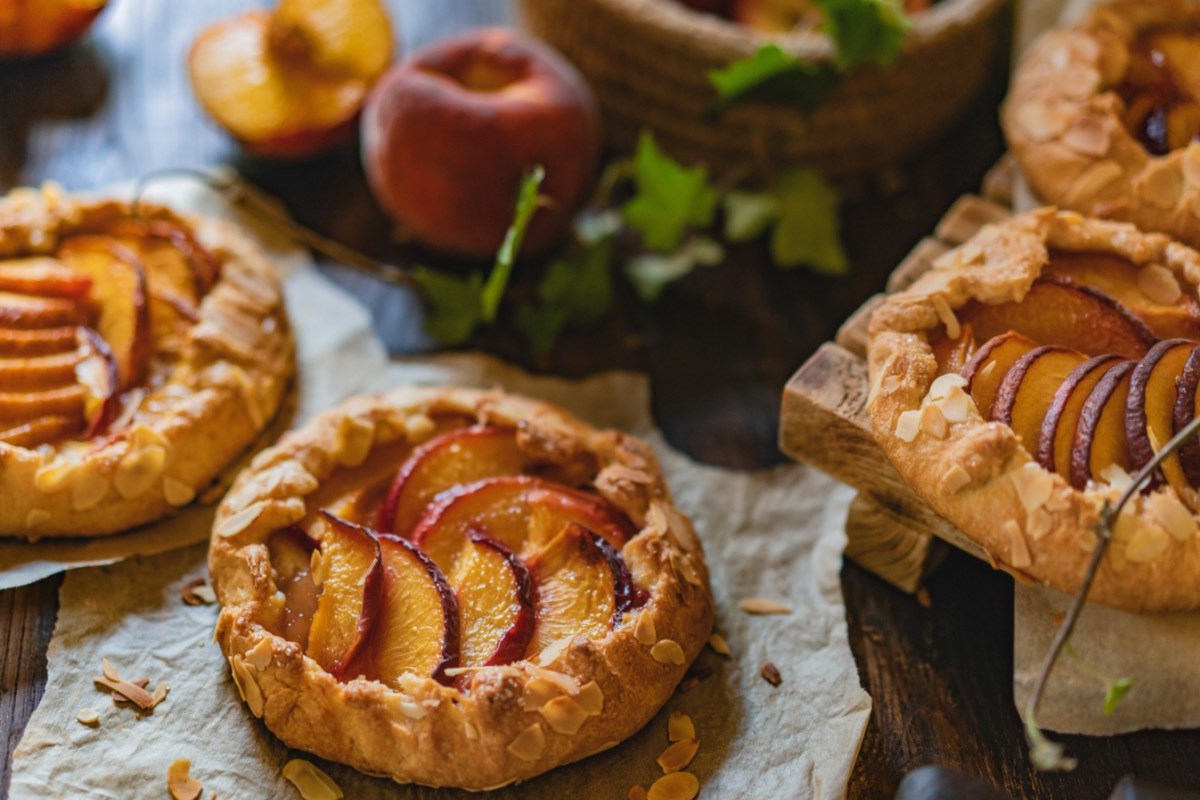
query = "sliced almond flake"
x=760 y=605
x=643 y=629
x=181 y=786
x=160 y=693
x=933 y=421
x=946 y=315
x=109 y=670
x=1173 y=515
x=717 y=643
x=1159 y=284
x=529 y=744
x=248 y=686
x=564 y=715
x=238 y=522
x=1059 y=501
x=667 y=651
x=1116 y=477
x=955 y=479
x=412 y=710
x=591 y=697
x=943 y=384
x=676 y=786
x=1147 y=543
x=352 y=441
x=683 y=566
x=554 y=650
x=311 y=781
x=260 y=655
x=454 y=672
x=908 y=425
x=419 y=427
x=680 y=727
x=890 y=384
x=87 y=716
x=564 y=681
x=176 y=492
x=1038 y=524
x=197 y=592
x=130 y=691
x=1033 y=485
x=1018 y=548
x=956 y=405
x=538 y=692
x=469 y=730
x=141 y=683
x=678 y=755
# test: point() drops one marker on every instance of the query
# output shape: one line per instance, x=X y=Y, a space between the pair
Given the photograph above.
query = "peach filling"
x=1162 y=89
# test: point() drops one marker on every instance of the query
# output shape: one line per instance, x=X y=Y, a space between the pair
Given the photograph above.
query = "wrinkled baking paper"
x=329 y=355
x=775 y=534
x=1160 y=653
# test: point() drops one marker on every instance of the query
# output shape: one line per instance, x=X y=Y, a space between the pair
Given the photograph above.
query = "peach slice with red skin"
x=1060 y=312
x=1150 y=412
x=985 y=370
x=39 y=431
x=38 y=372
x=953 y=354
x=1118 y=278
x=37 y=342
x=204 y=268
x=1187 y=405
x=576 y=589
x=350 y=573
x=496 y=603
x=291 y=552
x=453 y=459
x=1057 y=433
x=1100 y=439
x=513 y=510
x=25 y=312
x=1028 y=388
x=99 y=375
x=418 y=629
x=67 y=401
x=43 y=277
x=119 y=290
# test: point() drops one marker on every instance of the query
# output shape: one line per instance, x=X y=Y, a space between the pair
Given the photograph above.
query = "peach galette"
x=1103 y=116
x=139 y=353
x=1020 y=383
x=456 y=588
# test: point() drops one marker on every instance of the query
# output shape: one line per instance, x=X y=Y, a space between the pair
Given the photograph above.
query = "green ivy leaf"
x=454 y=304
x=808 y=231
x=865 y=31
x=497 y=282
x=771 y=76
x=650 y=273
x=1115 y=693
x=669 y=199
x=574 y=290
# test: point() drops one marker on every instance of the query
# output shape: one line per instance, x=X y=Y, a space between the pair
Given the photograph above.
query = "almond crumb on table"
x=771 y=674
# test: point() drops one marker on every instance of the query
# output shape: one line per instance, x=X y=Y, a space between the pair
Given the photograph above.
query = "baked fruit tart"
x=140 y=352
x=1019 y=384
x=453 y=587
x=1103 y=116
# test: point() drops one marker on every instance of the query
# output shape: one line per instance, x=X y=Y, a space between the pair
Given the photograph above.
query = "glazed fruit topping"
x=1162 y=89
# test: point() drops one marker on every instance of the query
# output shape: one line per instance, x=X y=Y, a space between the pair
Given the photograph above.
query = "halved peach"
x=37 y=342
x=985 y=370
x=39 y=431
x=1024 y=395
x=953 y=354
x=27 y=311
x=495 y=601
x=1150 y=411
x=1057 y=433
x=453 y=459
x=515 y=511
x=30 y=28
x=1118 y=278
x=418 y=629
x=1060 y=312
x=291 y=552
x=576 y=589
x=349 y=571
x=351 y=38
x=119 y=290
x=1187 y=404
x=44 y=277
x=1100 y=439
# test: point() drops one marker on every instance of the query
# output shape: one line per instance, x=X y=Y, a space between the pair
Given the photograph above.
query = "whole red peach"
x=447 y=135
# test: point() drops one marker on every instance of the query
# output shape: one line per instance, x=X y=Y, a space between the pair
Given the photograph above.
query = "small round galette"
x=140 y=352
x=1103 y=116
x=1020 y=383
x=453 y=587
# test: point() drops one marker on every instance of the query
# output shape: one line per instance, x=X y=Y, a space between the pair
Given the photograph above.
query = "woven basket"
x=647 y=61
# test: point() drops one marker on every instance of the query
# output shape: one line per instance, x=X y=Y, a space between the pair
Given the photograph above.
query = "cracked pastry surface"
x=454 y=587
x=1103 y=115
x=1019 y=383
x=140 y=352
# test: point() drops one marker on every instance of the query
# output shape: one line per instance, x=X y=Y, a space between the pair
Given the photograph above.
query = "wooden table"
x=718 y=347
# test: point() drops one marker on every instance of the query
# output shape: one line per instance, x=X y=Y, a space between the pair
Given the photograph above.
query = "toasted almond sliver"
x=678 y=755
x=1018 y=547
x=1033 y=485
x=565 y=715
x=180 y=785
x=956 y=405
x=719 y=645
x=643 y=629
x=87 y=716
x=238 y=522
x=1173 y=515
x=759 y=605
x=933 y=421
x=591 y=697
x=260 y=655
x=529 y=744
x=676 y=786
x=130 y=691
x=1147 y=543
x=956 y=479
x=160 y=693
x=680 y=727
x=943 y=384
x=538 y=692
x=109 y=670
x=946 y=315
x=247 y=686
x=1159 y=284
x=668 y=651
x=554 y=650
x=311 y=781
x=908 y=425
x=197 y=592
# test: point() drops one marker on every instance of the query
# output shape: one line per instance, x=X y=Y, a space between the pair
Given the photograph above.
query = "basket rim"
x=738 y=41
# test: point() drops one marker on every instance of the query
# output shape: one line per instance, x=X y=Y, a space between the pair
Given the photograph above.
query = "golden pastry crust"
x=1063 y=121
x=204 y=403
x=499 y=729
x=976 y=473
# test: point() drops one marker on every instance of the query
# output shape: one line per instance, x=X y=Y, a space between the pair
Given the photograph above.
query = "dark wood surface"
x=718 y=347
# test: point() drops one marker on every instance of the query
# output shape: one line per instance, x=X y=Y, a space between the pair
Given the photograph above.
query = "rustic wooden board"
x=823 y=421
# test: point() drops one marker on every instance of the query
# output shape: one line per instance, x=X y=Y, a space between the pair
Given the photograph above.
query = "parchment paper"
x=775 y=534
x=330 y=356
x=1159 y=652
